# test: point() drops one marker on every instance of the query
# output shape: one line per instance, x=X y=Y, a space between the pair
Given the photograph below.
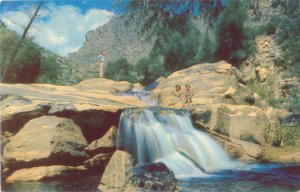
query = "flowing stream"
x=166 y=135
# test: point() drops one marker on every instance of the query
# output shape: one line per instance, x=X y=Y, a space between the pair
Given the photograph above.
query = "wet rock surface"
x=152 y=177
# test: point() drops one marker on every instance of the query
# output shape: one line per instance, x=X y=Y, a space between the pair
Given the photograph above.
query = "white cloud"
x=61 y=29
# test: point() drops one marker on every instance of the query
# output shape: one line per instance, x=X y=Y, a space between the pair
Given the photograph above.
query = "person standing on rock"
x=102 y=63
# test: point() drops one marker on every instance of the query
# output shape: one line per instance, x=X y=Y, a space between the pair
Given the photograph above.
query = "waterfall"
x=166 y=135
x=141 y=94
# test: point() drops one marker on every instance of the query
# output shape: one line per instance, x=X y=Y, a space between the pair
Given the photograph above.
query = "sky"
x=61 y=25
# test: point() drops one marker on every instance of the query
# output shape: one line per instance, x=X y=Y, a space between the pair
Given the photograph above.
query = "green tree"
x=205 y=53
x=149 y=69
x=179 y=47
x=158 y=14
x=233 y=43
x=121 y=70
x=26 y=65
x=49 y=70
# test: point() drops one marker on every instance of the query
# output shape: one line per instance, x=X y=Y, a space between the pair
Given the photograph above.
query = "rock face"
x=236 y=121
x=46 y=173
x=105 y=144
x=101 y=151
x=99 y=161
x=152 y=177
x=211 y=83
x=46 y=140
x=117 y=39
x=117 y=172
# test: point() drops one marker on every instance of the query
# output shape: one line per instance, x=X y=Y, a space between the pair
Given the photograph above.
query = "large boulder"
x=42 y=173
x=242 y=122
x=211 y=83
x=106 y=144
x=117 y=172
x=17 y=110
x=46 y=140
x=152 y=177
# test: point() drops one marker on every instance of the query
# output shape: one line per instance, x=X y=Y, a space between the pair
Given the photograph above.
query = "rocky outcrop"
x=44 y=173
x=106 y=144
x=211 y=83
x=100 y=151
x=43 y=141
x=90 y=104
x=117 y=172
x=152 y=177
x=242 y=122
x=118 y=39
x=98 y=161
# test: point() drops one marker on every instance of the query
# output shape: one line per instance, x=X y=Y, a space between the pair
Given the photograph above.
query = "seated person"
x=179 y=96
x=188 y=94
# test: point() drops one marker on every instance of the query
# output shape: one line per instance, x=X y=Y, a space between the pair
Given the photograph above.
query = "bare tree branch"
x=10 y=63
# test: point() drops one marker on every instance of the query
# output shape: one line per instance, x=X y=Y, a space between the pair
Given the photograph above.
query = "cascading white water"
x=142 y=95
x=168 y=136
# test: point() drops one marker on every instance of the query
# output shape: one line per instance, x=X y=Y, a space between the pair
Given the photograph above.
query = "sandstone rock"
x=98 y=161
x=42 y=173
x=90 y=104
x=262 y=73
x=152 y=177
x=17 y=110
x=211 y=83
x=238 y=149
x=236 y=121
x=106 y=144
x=117 y=172
x=251 y=150
x=103 y=84
x=43 y=141
x=291 y=158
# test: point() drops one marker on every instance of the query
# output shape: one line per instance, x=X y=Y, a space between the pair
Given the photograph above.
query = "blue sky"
x=61 y=25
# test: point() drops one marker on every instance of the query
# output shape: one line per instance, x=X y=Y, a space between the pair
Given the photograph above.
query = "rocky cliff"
x=119 y=38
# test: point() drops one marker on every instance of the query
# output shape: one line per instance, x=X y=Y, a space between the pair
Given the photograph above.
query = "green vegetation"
x=120 y=70
x=289 y=135
x=265 y=92
x=233 y=43
x=31 y=63
x=27 y=62
x=149 y=69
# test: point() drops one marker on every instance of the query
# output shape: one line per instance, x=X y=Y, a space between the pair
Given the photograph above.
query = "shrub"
x=289 y=135
x=264 y=91
x=149 y=69
x=49 y=71
x=120 y=70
